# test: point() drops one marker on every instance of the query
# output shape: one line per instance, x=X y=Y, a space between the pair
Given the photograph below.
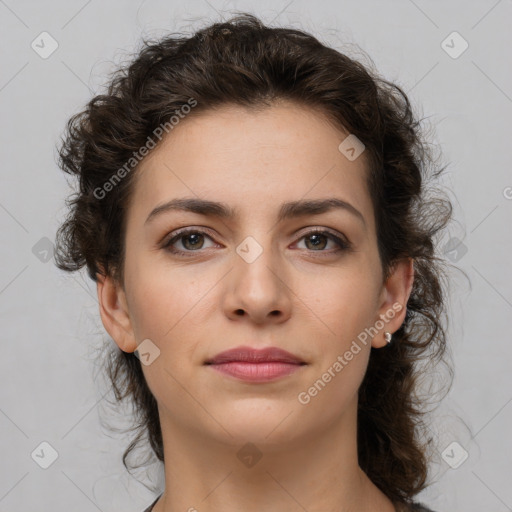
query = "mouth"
x=245 y=354
x=256 y=365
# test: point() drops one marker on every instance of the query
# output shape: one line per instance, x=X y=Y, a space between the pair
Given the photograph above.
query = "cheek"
x=343 y=302
x=343 y=308
x=164 y=303
x=166 y=307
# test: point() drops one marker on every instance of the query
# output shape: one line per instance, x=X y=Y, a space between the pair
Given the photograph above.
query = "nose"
x=258 y=290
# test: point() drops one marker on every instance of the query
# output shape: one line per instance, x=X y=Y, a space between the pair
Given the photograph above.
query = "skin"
x=291 y=297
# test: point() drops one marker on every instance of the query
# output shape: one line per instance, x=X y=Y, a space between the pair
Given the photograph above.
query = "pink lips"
x=256 y=365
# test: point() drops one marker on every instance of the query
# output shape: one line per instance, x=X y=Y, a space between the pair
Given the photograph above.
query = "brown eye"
x=192 y=240
x=317 y=241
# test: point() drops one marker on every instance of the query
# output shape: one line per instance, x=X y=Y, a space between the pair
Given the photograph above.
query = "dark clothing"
x=419 y=507
x=150 y=508
x=415 y=507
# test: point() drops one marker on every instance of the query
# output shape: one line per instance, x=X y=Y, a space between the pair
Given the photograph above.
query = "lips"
x=256 y=365
x=246 y=354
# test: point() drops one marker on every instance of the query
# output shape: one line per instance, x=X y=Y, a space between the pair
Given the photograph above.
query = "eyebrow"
x=288 y=210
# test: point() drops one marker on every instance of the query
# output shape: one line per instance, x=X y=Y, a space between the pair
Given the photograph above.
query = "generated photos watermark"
x=158 y=132
x=304 y=397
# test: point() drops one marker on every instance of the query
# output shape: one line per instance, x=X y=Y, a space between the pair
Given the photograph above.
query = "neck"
x=219 y=473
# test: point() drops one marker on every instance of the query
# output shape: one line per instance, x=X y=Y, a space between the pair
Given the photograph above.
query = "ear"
x=393 y=299
x=114 y=313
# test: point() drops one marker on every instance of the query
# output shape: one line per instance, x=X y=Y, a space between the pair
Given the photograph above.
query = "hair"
x=245 y=63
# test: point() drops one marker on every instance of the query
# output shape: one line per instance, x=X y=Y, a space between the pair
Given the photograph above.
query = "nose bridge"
x=258 y=260
x=259 y=289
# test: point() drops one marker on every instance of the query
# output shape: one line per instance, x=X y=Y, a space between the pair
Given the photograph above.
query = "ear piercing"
x=387 y=337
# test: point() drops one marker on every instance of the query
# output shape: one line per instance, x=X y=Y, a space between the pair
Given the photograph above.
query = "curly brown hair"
x=244 y=62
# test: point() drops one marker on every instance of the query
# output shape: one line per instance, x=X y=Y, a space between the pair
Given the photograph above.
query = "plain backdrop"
x=50 y=388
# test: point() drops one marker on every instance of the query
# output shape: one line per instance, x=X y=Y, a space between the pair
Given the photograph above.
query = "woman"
x=253 y=210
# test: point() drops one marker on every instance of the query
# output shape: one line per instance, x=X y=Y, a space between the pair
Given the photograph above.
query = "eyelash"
x=342 y=244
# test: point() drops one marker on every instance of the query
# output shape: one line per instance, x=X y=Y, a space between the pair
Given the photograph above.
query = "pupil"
x=317 y=239
x=194 y=237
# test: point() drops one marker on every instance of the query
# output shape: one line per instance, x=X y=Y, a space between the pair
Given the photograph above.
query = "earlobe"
x=396 y=292
x=114 y=313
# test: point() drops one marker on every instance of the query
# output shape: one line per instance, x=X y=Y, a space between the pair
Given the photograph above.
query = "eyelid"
x=320 y=229
x=184 y=230
x=340 y=239
x=344 y=244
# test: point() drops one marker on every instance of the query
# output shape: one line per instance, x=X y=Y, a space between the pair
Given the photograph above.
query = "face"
x=308 y=282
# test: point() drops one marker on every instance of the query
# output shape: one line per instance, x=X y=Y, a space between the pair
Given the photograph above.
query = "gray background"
x=51 y=390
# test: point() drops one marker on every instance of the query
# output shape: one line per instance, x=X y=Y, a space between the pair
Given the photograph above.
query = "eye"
x=191 y=239
x=319 y=239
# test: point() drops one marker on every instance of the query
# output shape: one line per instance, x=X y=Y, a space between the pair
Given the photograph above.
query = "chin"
x=259 y=422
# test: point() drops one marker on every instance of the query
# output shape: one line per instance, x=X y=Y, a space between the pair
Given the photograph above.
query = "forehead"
x=252 y=158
